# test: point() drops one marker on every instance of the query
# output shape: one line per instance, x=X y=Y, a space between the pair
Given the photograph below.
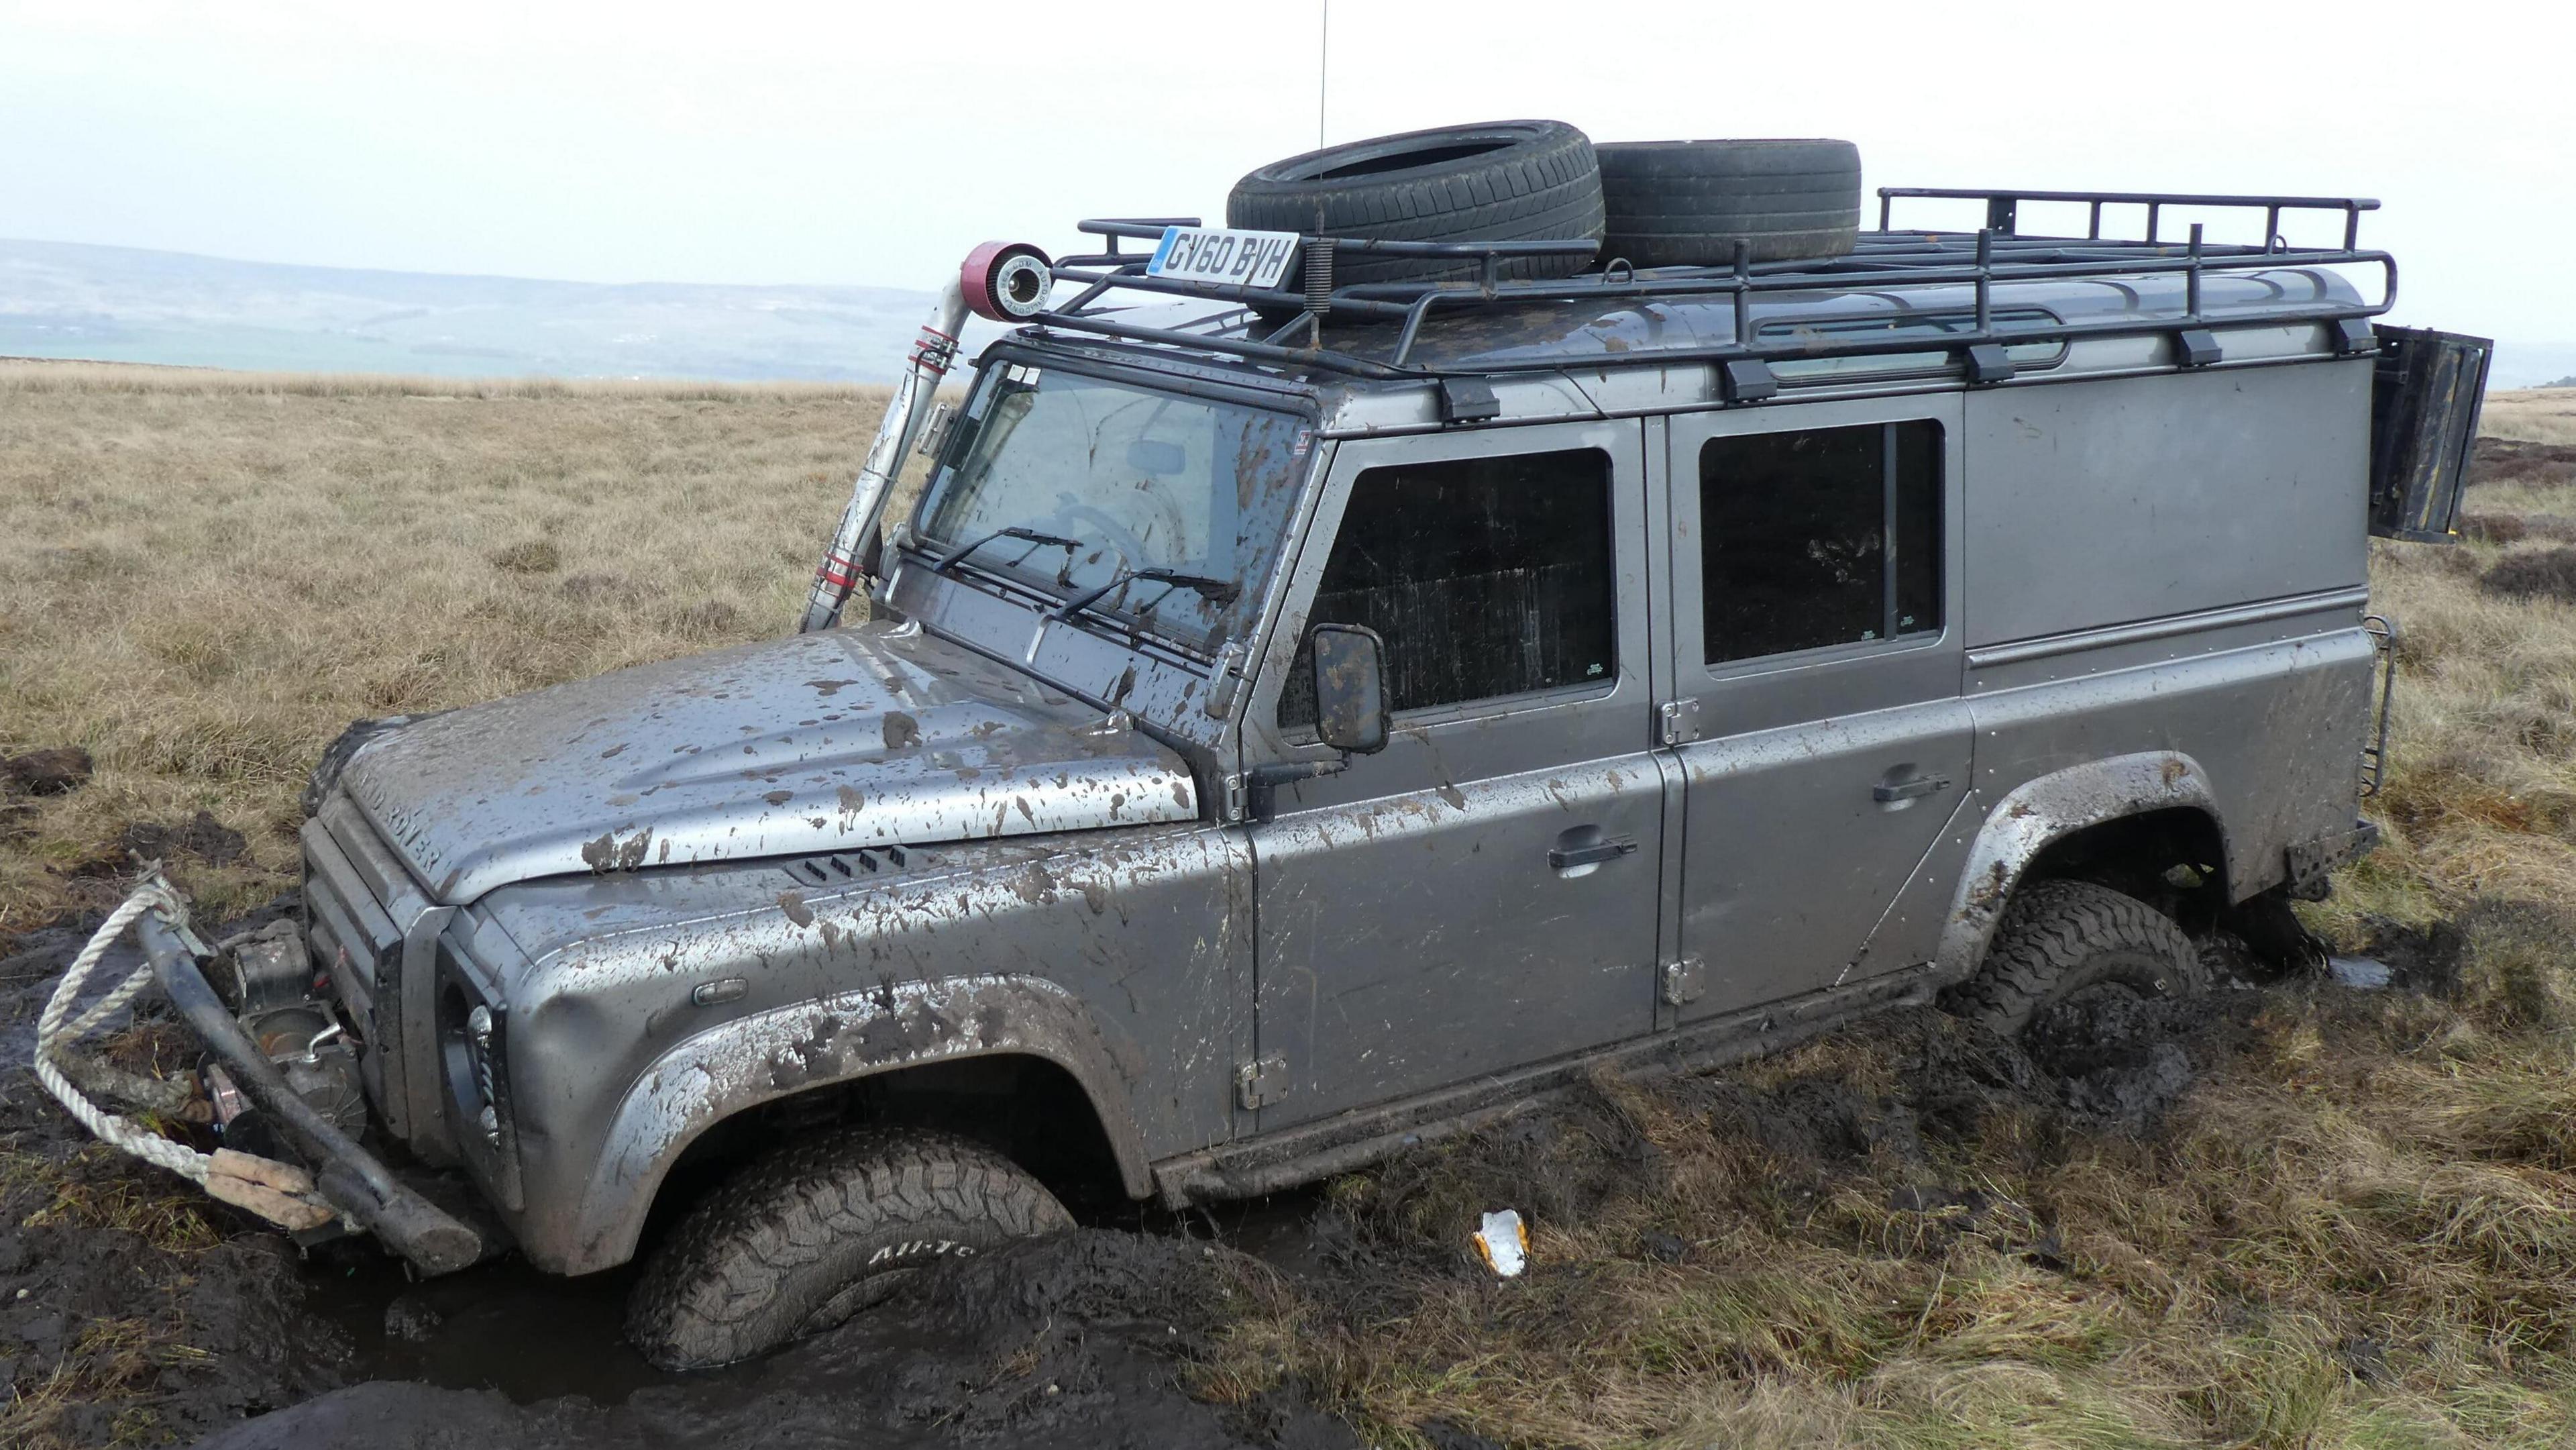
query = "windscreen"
x=1110 y=479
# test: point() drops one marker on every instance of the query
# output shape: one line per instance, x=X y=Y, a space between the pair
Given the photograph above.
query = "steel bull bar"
x=346 y=1175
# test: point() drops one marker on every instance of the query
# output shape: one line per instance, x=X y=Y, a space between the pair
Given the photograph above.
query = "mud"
x=1890 y=1094
x=157 y=1316
x=1078 y=1340
x=201 y=836
x=54 y=771
x=132 y=1309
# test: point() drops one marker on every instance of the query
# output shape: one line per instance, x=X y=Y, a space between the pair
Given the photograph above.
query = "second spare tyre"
x=1498 y=181
x=1687 y=203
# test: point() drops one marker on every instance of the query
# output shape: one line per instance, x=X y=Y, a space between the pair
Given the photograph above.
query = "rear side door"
x=1481 y=895
x=1822 y=741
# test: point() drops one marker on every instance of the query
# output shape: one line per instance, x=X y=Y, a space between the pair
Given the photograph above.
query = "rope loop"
x=279 y=1192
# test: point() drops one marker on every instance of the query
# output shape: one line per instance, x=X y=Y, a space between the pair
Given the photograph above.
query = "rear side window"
x=1486 y=577
x=1824 y=537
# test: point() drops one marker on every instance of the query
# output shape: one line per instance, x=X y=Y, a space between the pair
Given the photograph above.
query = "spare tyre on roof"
x=1498 y=181
x=1687 y=203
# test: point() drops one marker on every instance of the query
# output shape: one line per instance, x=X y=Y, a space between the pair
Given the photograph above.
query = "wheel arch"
x=735 y=1067
x=2049 y=812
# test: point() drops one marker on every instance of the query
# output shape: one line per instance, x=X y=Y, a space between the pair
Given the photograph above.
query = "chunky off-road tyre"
x=2061 y=938
x=1499 y=181
x=820 y=1230
x=1687 y=203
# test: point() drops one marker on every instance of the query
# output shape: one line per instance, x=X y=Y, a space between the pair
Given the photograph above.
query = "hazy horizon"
x=780 y=144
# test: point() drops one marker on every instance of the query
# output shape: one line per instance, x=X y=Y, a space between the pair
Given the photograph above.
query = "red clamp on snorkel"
x=1007 y=281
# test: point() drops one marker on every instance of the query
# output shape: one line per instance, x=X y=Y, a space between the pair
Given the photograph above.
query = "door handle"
x=1608 y=848
x=1906 y=790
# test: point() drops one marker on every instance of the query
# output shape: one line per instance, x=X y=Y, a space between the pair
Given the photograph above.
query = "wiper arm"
x=1032 y=537
x=1214 y=591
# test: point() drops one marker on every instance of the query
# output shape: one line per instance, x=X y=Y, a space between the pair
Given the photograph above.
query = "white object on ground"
x=279 y=1192
x=1503 y=1242
x=2367 y=973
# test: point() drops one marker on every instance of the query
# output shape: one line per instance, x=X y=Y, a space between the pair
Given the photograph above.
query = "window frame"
x=1637 y=582
x=1826 y=681
x=1888 y=577
x=1474 y=704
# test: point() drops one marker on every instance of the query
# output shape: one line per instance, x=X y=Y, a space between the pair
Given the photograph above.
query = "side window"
x=1485 y=576
x=1823 y=537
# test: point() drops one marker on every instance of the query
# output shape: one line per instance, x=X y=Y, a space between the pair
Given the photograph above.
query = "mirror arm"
x=1261 y=783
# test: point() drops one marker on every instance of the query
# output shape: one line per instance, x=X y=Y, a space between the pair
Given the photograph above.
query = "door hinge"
x=1234 y=798
x=1261 y=1082
x=1684 y=981
x=1678 y=721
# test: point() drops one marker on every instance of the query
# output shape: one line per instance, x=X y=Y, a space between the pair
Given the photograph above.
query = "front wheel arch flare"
x=737 y=1066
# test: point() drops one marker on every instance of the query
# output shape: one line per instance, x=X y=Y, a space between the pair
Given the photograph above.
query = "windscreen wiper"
x=1214 y=591
x=1031 y=537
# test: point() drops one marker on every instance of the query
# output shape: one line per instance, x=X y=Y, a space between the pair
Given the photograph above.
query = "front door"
x=1481 y=895
x=1817 y=659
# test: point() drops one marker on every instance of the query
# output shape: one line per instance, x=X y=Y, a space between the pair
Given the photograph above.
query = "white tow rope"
x=279 y=1192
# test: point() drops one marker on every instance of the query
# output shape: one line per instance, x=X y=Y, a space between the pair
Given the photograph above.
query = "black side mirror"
x=1350 y=687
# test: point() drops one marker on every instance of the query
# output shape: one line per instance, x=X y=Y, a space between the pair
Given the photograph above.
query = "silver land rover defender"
x=1500 y=609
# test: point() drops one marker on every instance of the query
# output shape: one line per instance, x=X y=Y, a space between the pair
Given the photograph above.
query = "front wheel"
x=814 y=1233
x=2061 y=939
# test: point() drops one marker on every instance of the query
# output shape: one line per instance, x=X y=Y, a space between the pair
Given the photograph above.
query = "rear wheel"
x=812 y=1234
x=2061 y=939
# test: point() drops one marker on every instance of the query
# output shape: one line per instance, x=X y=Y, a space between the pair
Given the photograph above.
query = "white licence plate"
x=1213 y=254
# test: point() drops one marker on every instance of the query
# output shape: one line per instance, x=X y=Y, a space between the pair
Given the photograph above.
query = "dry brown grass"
x=2360 y=1230
x=2542 y=415
x=212 y=574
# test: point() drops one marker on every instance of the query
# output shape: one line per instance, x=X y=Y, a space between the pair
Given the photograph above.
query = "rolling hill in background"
x=123 y=304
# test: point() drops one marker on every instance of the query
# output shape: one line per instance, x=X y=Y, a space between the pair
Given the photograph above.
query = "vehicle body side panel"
x=1141 y=936
x=2271 y=734
x=2104 y=501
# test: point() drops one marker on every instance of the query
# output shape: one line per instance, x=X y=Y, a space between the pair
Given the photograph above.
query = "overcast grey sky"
x=776 y=142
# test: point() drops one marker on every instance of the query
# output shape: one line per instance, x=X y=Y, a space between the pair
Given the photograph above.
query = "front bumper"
x=355 y=1182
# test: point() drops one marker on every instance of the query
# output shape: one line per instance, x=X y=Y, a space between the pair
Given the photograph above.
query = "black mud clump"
x=2428 y=960
x=2534 y=574
x=201 y=836
x=58 y=770
x=2510 y=460
x=1080 y=1339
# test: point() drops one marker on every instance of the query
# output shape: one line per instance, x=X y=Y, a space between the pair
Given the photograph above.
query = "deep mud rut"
x=231 y=1337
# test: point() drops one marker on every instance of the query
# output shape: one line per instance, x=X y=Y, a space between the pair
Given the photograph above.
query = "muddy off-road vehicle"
x=1496 y=612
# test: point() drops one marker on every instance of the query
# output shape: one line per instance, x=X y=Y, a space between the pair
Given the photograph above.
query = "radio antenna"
x=1323 y=68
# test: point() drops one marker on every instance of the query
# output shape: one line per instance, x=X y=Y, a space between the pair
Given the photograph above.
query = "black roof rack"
x=1996 y=253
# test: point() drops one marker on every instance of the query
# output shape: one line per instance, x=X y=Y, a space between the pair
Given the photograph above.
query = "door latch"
x=1684 y=981
x=1678 y=721
x=1261 y=1082
x=1888 y=792
x=1591 y=853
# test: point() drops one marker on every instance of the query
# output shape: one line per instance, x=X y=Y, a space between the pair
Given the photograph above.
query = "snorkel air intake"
x=1004 y=281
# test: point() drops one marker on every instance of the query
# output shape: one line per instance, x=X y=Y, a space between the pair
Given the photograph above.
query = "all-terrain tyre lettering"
x=1499 y=181
x=819 y=1230
x=2058 y=938
x=1687 y=203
